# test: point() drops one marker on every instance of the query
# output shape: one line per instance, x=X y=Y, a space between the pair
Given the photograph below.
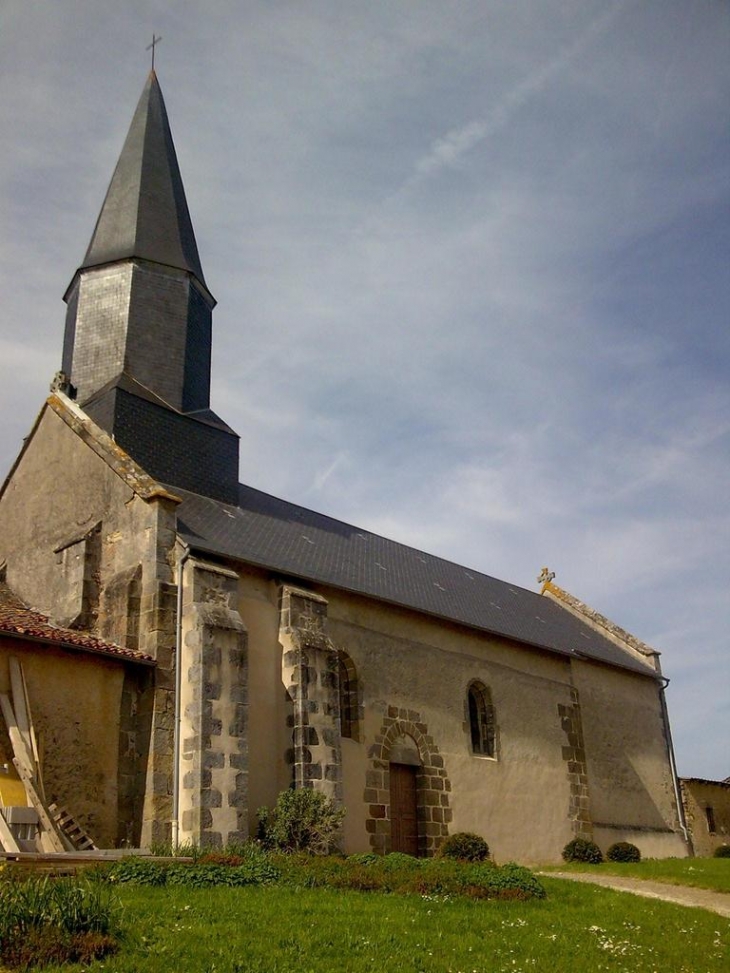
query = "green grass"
x=703 y=873
x=577 y=929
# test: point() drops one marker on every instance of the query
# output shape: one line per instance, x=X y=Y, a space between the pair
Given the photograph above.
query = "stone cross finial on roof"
x=545 y=576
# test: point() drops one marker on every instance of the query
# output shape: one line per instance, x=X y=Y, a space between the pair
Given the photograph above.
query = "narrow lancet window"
x=348 y=697
x=481 y=720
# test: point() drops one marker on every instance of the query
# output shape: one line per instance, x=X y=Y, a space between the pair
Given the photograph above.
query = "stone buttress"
x=310 y=676
x=213 y=709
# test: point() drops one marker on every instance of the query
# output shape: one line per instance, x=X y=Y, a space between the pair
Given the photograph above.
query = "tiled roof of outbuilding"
x=298 y=543
x=16 y=619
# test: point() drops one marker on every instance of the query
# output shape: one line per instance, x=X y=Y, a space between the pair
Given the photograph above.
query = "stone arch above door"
x=404 y=739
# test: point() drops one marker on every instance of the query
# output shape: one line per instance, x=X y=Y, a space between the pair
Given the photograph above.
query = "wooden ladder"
x=67 y=823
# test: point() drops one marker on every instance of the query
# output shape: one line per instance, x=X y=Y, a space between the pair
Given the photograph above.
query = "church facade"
x=279 y=647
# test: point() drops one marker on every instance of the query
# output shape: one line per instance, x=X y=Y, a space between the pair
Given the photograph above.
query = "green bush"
x=400 y=860
x=251 y=867
x=301 y=820
x=722 y=851
x=581 y=850
x=364 y=858
x=138 y=871
x=198 y=876
x=465 y=846
x=404 y=874
x=623 y=851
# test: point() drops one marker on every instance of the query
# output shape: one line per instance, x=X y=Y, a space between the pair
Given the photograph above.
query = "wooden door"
x=403 y=809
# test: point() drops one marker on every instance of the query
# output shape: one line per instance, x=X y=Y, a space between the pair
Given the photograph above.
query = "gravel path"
x=681 y=894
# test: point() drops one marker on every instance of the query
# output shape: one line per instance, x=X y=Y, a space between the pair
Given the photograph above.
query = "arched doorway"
x=405 y=763
x=405 y=759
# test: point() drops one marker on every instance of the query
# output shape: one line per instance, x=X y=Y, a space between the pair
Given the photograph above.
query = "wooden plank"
x=35 y=750
x=19 y=748
x=53 y=838
x=20 y=707
x=7 y=838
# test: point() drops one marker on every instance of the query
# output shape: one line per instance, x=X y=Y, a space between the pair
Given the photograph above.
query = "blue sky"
x=473 y=269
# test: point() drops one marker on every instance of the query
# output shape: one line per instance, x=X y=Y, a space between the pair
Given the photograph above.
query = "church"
x=192 y=646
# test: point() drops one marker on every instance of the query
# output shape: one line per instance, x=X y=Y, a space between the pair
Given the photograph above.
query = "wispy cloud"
x=447 y=151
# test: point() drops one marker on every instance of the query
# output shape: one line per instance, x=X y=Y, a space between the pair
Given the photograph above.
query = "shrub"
x=197 y=876
x=139 y=871
x=252 y=867
x=623 y=851
x=722 y=851
x=404 y=874
x=465 y=846
x=397 y=860
x=580 y=850
x=301 y=820
x=364 y=858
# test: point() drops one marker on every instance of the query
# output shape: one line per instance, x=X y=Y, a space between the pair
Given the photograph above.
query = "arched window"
x=348 y=697
x=481 y=720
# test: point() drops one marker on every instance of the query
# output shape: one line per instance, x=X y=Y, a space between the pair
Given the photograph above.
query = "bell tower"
x=137 y=344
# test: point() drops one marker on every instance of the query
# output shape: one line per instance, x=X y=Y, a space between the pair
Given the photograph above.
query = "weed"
x=45 y=920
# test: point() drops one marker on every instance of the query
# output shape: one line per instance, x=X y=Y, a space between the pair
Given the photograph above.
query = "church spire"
x=138 y=305
x=137 y=346
x=145 y=213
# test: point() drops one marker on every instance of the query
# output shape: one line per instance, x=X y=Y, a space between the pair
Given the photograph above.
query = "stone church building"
x=241 y=644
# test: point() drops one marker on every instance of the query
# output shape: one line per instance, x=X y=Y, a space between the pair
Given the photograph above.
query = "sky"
x=472 y=262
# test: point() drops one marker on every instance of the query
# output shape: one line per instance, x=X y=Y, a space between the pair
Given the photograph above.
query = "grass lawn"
x=704 y=873
x=275 y=929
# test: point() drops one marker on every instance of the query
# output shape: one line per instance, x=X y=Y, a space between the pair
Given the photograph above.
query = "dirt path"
x=681 y=894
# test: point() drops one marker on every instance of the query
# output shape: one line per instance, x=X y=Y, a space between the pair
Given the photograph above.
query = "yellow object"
x=12 y=791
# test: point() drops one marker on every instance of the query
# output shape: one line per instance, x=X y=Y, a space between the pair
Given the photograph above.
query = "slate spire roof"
x=145 y=213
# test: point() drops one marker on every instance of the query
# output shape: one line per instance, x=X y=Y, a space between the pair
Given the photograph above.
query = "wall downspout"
x=185 y=554
x=673 y=765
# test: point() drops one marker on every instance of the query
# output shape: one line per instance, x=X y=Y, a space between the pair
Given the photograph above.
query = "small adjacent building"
x=707 y=812
x=88 y=700
x=290 y=649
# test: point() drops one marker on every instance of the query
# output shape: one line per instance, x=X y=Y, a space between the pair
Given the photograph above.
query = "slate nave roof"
x=295 y=542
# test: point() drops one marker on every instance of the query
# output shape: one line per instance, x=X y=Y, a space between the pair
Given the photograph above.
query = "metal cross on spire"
x=151 y=47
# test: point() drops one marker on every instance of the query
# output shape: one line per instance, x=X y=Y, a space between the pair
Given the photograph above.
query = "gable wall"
x=85 y=549
x=59 y=492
